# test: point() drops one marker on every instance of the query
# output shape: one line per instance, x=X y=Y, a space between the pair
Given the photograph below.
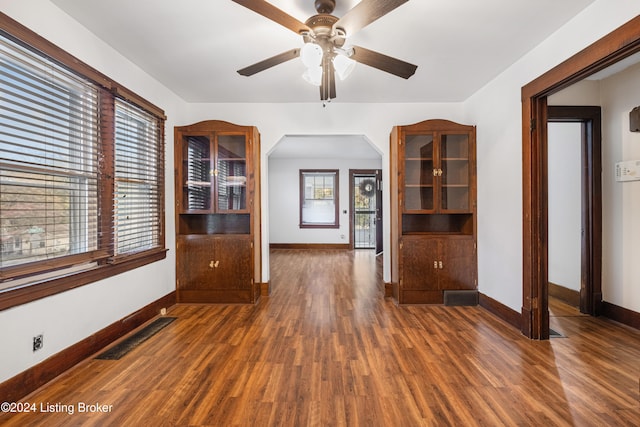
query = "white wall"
x=496 y=110
x=284 y=199
x=69 y=317
x=620 y=200
x=564 y=197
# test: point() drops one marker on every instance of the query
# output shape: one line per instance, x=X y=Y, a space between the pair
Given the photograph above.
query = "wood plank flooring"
x=326 y=349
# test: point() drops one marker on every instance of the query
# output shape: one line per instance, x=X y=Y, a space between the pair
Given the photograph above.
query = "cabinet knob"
x=213 y=264
x=440 y=264
x=435 y=264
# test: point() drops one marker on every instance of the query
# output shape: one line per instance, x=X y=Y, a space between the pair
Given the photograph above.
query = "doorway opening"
x=366 y=207
x=612 y=48
x=588 y=236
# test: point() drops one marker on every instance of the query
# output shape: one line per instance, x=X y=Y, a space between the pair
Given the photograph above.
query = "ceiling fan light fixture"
x=343 y=65
x=311 y=55
x=313 y=75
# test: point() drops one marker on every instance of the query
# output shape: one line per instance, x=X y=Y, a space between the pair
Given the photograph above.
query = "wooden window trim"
x=104 y=268
x=336 y=197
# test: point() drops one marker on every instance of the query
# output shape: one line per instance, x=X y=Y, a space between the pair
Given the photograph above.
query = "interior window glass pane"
x=318 y=206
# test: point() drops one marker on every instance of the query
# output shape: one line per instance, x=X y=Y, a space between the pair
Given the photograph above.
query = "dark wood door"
x=379 y=231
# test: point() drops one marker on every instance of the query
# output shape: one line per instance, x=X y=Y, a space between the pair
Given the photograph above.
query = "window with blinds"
x=138 y=183
x=48 y=160
x=81 y=172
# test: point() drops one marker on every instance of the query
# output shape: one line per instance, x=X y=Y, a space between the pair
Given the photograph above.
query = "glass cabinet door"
x=197 y=174
x=418 y=173
x=454 y=172
x=231 y=173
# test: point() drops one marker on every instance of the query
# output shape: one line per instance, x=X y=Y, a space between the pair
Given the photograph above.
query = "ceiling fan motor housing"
x=323 y=31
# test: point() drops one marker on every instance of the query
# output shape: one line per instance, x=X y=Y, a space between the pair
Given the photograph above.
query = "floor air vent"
x=460 y=297
x=554 y=334
x=125 y=346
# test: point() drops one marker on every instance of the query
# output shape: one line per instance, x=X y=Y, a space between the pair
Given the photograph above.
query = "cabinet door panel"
x=196 y=173
x=418 y=256
x=195 y=262
x=234 y=269
x=231 y=173
x=458 y=264
x=418 y=172
x=455 y=184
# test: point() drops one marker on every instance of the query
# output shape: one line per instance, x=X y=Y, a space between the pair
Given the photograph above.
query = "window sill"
x=33 y=291
x=319 y=225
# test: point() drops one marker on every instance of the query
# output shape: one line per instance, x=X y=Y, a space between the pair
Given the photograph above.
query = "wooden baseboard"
x=308 y=246
x=501 y=311
x=265 y=289
x=564 y=294
x=388 y=290
x=621 y=314
x=28 y=381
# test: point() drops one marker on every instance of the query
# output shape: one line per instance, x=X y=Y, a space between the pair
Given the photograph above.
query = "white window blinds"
x=138 y=181
x=48 y=160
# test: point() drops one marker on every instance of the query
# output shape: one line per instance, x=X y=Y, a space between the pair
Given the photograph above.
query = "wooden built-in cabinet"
x=218 y=249
x=433 y=211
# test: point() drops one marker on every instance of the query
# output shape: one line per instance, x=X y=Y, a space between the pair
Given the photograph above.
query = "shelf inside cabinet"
x=461 y=224
x=214 y=224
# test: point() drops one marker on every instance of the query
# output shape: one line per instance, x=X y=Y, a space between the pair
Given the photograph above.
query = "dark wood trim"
x=108 y=89
x=388 y=290
x=591 y=200
x=620 y=314
x=336 y=197
x=28 y=381
x=618 y=44
x=265 y=289
x=570 y=296
x=309 y=246
x=500 y=310
x=31 y=292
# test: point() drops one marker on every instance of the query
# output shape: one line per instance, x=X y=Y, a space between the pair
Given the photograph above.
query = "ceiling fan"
x=324 y=52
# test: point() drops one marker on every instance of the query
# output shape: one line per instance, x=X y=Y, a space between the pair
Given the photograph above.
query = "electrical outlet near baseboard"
x=38 y=342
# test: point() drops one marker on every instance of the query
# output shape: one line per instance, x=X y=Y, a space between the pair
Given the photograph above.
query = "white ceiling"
x=194 y=47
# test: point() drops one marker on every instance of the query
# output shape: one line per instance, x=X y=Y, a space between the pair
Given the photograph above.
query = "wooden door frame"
x=610 y=49
x=590 y=200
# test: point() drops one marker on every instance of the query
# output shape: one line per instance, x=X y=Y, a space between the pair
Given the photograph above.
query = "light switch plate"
x=628 y=171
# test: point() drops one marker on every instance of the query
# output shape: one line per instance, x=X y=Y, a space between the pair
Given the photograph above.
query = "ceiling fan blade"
x=269 y=62
x=383 y=62
x=364 y=13
x=273 y=13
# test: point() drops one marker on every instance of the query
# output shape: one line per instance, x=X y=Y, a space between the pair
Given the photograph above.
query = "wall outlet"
x=37 y=342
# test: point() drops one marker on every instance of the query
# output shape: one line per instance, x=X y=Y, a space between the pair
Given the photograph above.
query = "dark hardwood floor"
x=327 y=349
